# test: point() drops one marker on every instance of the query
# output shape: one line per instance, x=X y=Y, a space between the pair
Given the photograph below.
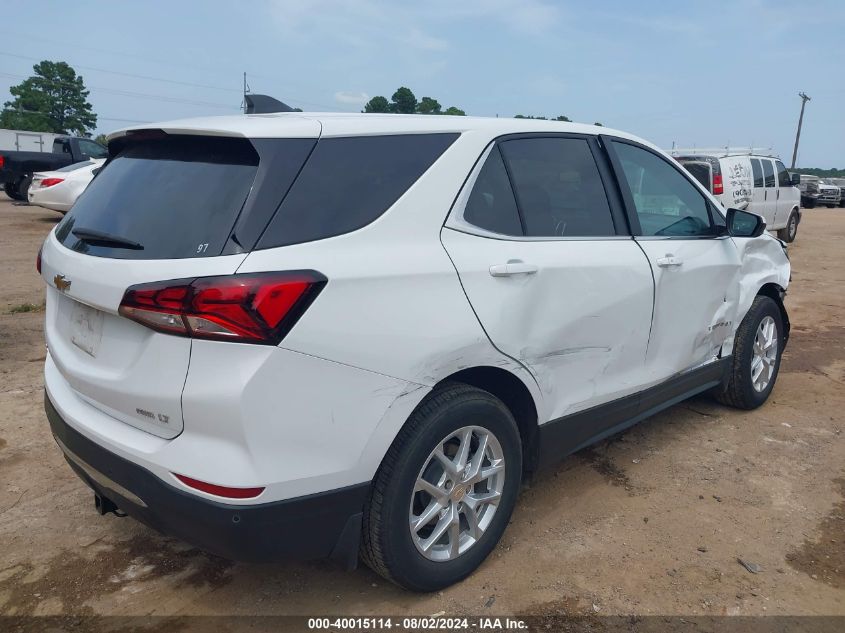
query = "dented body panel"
x=764 y=261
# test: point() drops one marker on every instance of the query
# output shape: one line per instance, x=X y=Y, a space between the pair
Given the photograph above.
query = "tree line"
x=404 y=101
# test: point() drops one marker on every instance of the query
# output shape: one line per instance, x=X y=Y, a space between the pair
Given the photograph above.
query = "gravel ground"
x=653 y=521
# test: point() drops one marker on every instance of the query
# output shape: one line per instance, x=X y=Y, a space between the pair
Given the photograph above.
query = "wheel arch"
x=515 y=395
x=777 y=293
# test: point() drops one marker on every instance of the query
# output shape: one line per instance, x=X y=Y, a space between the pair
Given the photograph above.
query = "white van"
x=748 y=181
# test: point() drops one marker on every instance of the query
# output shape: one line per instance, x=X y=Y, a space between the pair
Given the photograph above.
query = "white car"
x=745 y=180
x=361 y=331
x=59 y=189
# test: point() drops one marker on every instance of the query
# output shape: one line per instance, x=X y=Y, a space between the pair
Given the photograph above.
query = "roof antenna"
x=262 y=104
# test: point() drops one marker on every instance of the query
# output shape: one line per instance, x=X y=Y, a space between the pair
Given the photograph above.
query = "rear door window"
x=349 y=182
x=769 y=173
x=757 y=170
x=491 y=205
x=173 y=198
x=558 y=188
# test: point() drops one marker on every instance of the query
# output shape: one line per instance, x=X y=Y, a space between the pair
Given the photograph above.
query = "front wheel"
x=445 y=491
x=788 y=233
x=756 y=356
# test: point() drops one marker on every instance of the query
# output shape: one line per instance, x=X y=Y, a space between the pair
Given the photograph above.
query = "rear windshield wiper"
x=100 y=238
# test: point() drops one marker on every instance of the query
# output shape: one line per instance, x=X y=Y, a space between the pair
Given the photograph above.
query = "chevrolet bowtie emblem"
x=61 y=282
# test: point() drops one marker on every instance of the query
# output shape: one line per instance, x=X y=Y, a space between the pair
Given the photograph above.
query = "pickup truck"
x=16 y=168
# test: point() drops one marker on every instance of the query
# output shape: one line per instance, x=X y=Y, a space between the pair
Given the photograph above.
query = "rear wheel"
x=445 y=490
x=788 y=233
x=23 y=188
x=11 y=190
x=756 y=356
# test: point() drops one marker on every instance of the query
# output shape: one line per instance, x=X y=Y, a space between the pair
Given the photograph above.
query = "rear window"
x=173 y=198
x=349 y=182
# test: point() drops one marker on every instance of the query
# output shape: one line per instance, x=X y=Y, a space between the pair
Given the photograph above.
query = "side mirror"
x=744 y=223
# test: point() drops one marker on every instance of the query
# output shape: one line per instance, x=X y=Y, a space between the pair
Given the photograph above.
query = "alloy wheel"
x=456 y=493
x=765 y=354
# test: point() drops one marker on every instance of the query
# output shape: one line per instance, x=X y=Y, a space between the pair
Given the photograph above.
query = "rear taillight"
x=249 y=308
x=38 y=260
x=49 y=182
x=2 y=161
x=718 y=187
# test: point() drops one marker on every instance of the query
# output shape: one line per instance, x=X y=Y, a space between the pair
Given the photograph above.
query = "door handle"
x=513 y=267
x=669 y=260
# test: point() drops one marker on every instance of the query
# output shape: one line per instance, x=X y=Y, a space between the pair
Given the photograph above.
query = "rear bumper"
x=324 y=525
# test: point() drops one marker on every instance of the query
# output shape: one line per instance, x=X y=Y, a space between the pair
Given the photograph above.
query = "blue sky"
x=696 y=73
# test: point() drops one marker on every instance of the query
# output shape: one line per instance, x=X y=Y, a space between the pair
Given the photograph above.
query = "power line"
x=170 y=81
x=167 y=62
x=45 y=114
x=124 y=93
x=125 y=74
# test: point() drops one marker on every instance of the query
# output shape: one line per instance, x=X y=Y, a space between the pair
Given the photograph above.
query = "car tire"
x=831 y=206
x=11 y=190
x=811 y=204
x=790 y=231
x=760 y=330
x=390 y=546
x=23 y=188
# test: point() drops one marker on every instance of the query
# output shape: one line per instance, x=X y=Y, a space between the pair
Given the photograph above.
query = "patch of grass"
x=26 y=307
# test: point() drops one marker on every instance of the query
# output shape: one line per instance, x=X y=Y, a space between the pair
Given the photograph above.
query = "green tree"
x=530 y=116
x=101 y=139
x=54 y=99
x=428 y=105
x=403 y=101
x=453 y=111
x=597 y=123
x=561 y=117
x=377 y=104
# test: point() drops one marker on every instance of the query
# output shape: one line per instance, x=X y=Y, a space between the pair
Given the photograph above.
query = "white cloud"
x=353 y=98
x=423 y=41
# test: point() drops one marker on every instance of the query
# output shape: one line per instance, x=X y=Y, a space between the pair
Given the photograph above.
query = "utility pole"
x=804 y=100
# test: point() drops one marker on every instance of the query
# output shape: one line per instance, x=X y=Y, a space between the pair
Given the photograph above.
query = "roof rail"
x=725 y=151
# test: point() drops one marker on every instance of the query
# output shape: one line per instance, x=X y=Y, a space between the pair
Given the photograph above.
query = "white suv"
x=301 y=335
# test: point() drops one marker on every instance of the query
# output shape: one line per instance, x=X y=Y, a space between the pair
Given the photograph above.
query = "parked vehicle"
x=17 y=167
x=814 y=191
x=59 y=189
x=746 y=179
x=26 y=141
x=808 y=185
x=361 y=331
x=839 y=183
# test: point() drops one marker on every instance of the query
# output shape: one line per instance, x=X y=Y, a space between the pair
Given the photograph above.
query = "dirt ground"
x=650 y=522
